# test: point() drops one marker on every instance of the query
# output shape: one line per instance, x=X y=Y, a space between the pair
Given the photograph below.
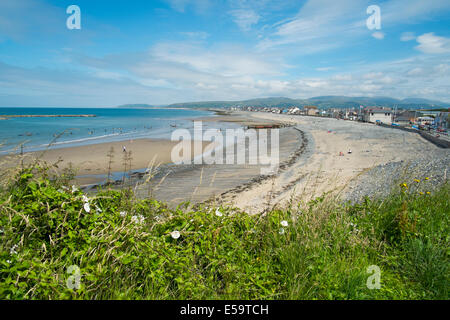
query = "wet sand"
x=217 y=183
x=91 y=161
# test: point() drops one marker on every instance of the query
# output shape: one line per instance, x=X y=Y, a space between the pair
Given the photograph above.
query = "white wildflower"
x=13 y=249
x=138 y=219
x=175 y=234
x=8 y=261
x=123 y=213
x=281 y=231
x=84 y=198
x=284 y=223
x=98 y=210
x=74 y=189
x=218 y=213
x=87 y=207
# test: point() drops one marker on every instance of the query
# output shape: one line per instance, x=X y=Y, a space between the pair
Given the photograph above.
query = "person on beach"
x=124 y=149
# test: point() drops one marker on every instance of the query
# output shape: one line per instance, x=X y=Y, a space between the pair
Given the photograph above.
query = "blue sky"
x=167 y=51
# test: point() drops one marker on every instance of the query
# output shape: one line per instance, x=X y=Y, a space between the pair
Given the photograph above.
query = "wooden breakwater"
x=267 y=125
x=7 y=116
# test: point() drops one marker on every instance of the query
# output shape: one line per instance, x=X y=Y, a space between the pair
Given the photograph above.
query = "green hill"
x=321 y=101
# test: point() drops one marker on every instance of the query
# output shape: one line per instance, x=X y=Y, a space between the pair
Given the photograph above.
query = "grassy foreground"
x=56 y=243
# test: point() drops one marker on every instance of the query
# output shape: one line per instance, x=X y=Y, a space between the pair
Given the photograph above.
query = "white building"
x=293 y=110
x=376 y=115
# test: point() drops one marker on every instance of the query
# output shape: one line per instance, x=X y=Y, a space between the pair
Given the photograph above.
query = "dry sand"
x=325 y=170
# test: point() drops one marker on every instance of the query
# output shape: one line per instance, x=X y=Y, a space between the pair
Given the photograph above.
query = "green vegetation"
x=139 y=249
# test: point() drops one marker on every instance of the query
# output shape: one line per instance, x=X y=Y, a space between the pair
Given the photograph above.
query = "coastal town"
x=431 y=123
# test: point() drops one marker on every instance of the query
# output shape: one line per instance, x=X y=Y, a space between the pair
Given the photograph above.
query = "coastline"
x=310 y=164
x=91 y=161
x=44 y=128
x=47 y=116
x=325 y=171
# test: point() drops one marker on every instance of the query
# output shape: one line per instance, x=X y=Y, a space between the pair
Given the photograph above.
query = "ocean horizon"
x=108 y=125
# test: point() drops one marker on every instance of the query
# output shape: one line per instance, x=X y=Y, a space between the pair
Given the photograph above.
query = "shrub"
x=126 y=248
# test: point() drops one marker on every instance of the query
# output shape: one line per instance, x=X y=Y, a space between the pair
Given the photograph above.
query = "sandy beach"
x=314 y=158
x=325 y=170
x=91 y=161
x=313 y=162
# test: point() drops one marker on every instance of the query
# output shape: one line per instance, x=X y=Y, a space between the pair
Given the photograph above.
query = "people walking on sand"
x=124 y=149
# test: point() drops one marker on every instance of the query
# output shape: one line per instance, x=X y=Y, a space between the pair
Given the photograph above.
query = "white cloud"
x=407 y=36
x=322 y=25
x=167 y=75
x=181 y=5
x=342 y=77
x=416 y=72
x=373 y=75
x=201 y=35
x=443 y=68
x=178 y=5
x=205 y=70
x=378 y=35
x=224 y=61
x=324 y=69
x=321 y=18
x=245 y=18
x=399 y=11
x=319 y=25
x=430 y=43
x=102 y=74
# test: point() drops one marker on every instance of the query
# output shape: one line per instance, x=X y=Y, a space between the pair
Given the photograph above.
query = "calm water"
x=108 y=125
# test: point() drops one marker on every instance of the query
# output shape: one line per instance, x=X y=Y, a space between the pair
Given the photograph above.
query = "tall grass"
x=127 y=248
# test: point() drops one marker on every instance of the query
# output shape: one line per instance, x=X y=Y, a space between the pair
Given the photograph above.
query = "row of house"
x=377 y=115
x=307 y=110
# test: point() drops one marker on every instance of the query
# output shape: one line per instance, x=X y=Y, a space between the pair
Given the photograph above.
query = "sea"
x=114 y=124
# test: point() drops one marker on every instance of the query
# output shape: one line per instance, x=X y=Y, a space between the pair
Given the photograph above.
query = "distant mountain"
x=424 y=101
x=321 y=102
x=265 y=102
